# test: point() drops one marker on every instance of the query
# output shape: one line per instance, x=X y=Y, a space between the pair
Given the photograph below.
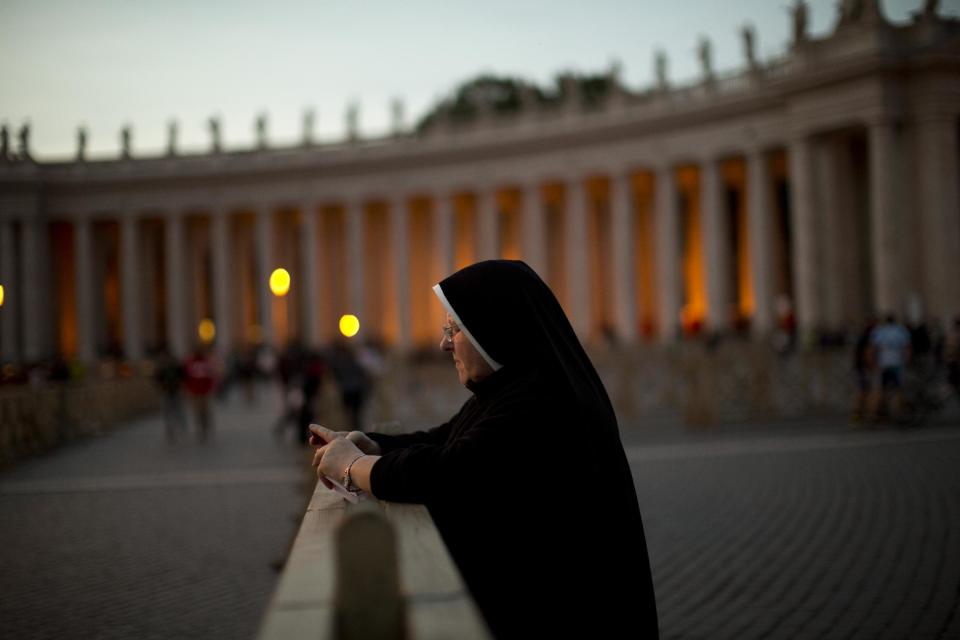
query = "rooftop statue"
x=81 y=143
x=309 y=119
x=214 y=124
x=748 y=35
x=858 y=11
x=704 y=52
x=397 y=115
x=172 y=138
x=353 y=121
x=800 y=13
x=261 y=131
x=660 y=68
x=125 y=141
x=25 y=141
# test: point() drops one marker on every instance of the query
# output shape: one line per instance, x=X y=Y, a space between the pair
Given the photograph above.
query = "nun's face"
x=470 y=364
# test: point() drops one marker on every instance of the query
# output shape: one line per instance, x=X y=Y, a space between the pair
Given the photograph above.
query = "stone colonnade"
x=825 y=220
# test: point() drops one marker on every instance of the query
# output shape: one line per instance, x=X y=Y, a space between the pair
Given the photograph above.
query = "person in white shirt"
x=890 y=349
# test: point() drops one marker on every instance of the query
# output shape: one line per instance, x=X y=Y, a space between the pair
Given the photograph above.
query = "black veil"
x=513 y=318
x=515 y=322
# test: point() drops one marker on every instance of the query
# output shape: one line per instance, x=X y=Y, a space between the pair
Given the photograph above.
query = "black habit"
x=528 y=483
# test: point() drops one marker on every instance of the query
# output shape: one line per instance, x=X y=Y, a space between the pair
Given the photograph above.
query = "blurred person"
x=951 y=355
x=60 y=378
x=247 y=372
x=169 y=375
x=352 y=379
x=784 y=337
x=863 y=370
x=290 y=374
x=200 y=380
x=312 y=381
x=890 y=351
x=528 y=483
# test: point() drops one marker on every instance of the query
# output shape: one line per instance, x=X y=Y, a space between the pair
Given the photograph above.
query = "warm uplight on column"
x=207 y=330
x=349 y=325
x=1 y=295
x=280 y=282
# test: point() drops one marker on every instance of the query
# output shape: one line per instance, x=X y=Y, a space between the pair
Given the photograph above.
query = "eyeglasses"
x=449 y=330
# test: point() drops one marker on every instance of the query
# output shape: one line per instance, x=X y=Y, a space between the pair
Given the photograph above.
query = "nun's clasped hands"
x=336 y=450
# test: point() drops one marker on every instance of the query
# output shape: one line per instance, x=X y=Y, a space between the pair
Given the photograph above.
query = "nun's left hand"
x=331 y=459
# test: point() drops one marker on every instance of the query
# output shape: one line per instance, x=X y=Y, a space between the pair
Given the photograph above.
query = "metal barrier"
x=369 y=570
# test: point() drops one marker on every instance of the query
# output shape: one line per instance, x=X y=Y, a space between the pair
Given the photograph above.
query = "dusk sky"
x=107 y=63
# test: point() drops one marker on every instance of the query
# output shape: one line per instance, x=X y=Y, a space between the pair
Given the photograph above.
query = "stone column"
x=443 y=213
x=667 y=254
x=885 y=230
x=264 y=269
x=939 y=213
x=309 y=267
x=760 y=241
x=622 y=244
x=577 y=267
x=83 y=272
x=716 y=235
x=355 y=215
x=130 y=298
x=487 y=245
x=9 y=340
x=222 y=307
x=534 y=229
x=834 y=245
x=178 y=339
x=31 y=319
x=398 y=228
x=803 y=214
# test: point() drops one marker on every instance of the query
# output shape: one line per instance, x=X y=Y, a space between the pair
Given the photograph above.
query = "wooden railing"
x=369 y=570
x=34 y=420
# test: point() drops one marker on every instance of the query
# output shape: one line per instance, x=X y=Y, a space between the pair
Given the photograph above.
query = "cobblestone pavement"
x=807 y=531
x=127 y=536
x=817 y=534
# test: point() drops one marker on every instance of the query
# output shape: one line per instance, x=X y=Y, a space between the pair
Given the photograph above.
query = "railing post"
x=368 y=603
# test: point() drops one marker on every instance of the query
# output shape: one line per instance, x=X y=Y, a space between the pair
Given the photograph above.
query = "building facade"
x=817 y=188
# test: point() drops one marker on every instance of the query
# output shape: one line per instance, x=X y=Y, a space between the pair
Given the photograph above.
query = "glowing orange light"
x=280 y=282
x=1 y=295
x=207 y=330
x=349 y=325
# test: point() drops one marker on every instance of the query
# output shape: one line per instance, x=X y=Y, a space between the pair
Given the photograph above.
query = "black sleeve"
x=471 y=462
x=436 y=436
x=389 y=443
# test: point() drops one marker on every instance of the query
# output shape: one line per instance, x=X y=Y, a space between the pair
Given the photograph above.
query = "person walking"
x=890 y=349
x=200 y=381
x=169 y=377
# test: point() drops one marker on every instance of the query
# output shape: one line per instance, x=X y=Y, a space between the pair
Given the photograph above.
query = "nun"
x=528 y=483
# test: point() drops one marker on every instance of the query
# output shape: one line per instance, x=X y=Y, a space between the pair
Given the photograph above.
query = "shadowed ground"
x=801 y=530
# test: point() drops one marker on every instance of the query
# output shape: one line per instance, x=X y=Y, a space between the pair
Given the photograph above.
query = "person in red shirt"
x=200 y=380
